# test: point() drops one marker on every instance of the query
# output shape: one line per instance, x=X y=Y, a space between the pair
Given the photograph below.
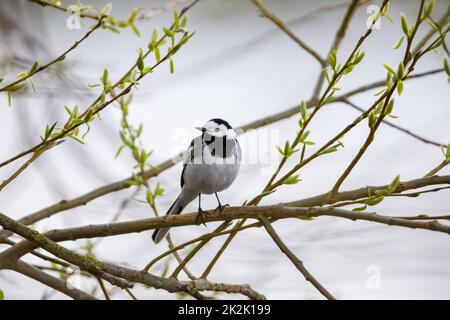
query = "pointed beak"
x=202 y=129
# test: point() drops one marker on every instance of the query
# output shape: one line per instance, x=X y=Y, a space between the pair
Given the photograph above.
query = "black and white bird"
x=211 y=164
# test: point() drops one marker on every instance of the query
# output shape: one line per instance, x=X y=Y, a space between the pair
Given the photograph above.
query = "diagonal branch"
x=296 y=261
x=266 y=13
x=46 y=279
x=340 y=35
x=59 y=58
x=395 y=126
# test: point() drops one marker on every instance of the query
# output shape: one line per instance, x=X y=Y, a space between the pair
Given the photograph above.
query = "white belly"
x=210 y=178
x=213 y=174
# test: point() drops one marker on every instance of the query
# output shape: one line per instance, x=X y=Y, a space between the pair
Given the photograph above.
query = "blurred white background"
x=238 y=67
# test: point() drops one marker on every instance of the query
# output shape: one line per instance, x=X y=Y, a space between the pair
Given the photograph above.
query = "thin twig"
x=266 y=13
x=102 y=286
x=59 y=58
x=296 y=261
x=395 y=126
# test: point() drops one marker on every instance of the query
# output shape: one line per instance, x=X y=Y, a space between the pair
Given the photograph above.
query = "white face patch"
x=216 y=130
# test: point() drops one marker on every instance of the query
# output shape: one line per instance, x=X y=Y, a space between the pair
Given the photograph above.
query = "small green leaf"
x=359 y=58
x=385 y=9
x=135 y=30
x=157 y=54
x=374 y=201
x=329 y=150
x=76 y=139
x=405 y=25
x=399 y=43
x=140 y=62
x=119 y=151
x=106 y=9
x=328 y=99
x=348 y=70
x=287 y=147
x=432 y=24
x=447 y=153
x=400 y=87
x=172 y=66
x=358 y=209
x=390 y=107
x=105 y=77
x=9 y=98
x=380 y=92
x=305 y=218
x=332 y=58
x=292 y=180
x=429 y=8
x=447 y=66
x=113 y=29
x=325 y=72
x=394 y=184
x=2 y=295
x=389 y=19
x=149 y=196
x=184 y=21
x=381 y=192
x=389 y=69
x=176 y=19
x=280 y=150
x=34 y=67
x=183 y=41
x=154 y=36
x=159 y=191
x=304 y=110
x=168 y=32
x=400 y=71
x=372 y=119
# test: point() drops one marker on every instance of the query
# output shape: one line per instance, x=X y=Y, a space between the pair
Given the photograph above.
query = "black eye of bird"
x=217 y=129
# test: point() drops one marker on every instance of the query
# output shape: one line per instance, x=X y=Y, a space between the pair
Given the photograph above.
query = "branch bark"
x=112 y=273
x=250 y=212
x=46 y=279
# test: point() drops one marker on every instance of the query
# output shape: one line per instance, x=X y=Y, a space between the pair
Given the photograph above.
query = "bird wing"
x=238 y=149
x=189 y=154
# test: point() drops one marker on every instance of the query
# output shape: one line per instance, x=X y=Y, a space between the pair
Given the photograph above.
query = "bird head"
x=217 y=128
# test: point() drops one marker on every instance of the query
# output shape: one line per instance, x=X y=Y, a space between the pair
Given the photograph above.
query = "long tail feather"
x=183 y=200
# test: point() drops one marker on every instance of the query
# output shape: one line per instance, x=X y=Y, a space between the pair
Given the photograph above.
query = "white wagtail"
x=211 y=163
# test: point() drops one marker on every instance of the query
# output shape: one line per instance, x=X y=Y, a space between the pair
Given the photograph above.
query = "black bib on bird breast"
x=220 y=147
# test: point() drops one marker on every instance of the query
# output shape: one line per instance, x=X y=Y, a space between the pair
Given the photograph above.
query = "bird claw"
x=221 y=207
x=200 y=217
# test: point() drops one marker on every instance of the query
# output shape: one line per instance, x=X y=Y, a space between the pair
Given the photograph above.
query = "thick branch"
x=112 y=273
x=147 y=224
x=48 y=280
x=275 y=211
x=86 y=263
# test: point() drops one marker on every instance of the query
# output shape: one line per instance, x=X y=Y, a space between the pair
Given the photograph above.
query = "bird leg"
x=220 y=207
x=200 y=216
